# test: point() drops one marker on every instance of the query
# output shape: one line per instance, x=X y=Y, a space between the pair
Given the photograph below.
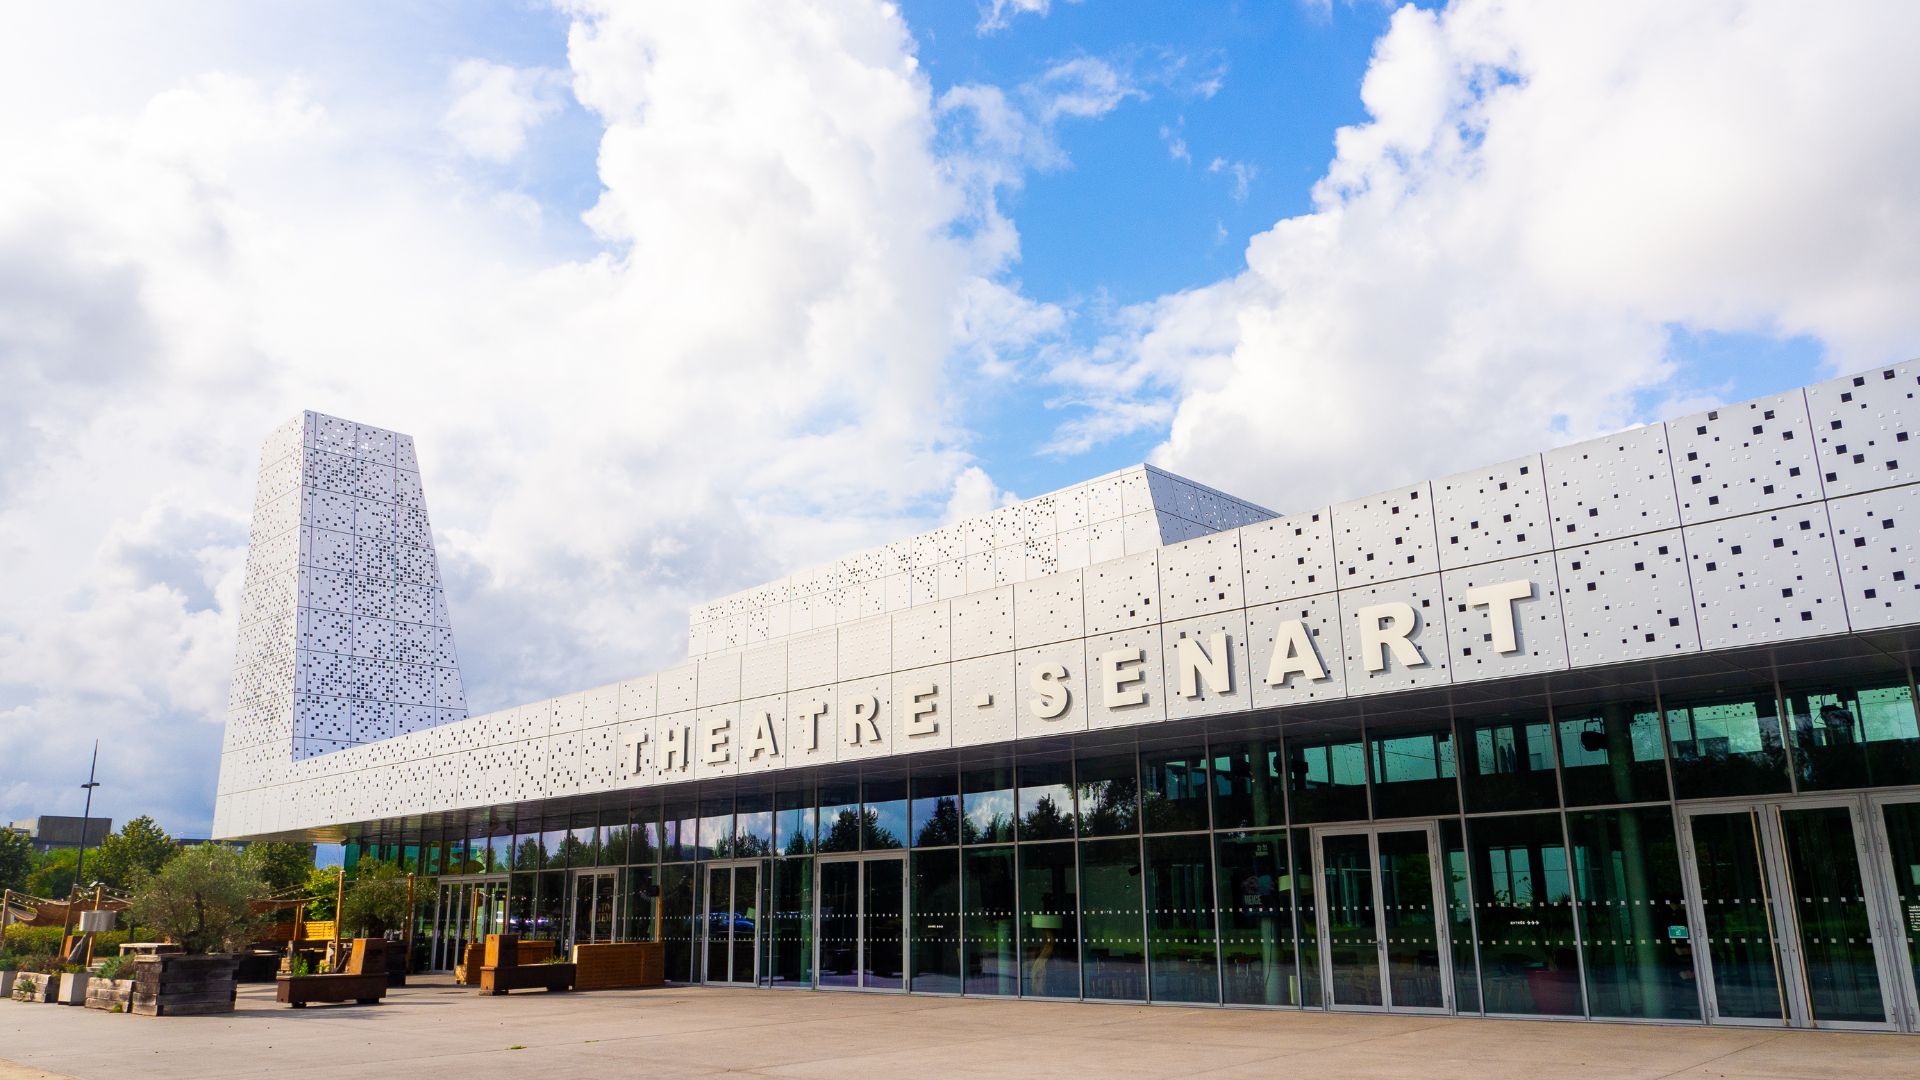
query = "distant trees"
x=280 y=865
x=140 y=847
x=54 y=876
x=16 y=859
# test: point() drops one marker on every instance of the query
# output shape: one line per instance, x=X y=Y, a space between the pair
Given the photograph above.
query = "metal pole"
x=86 y=815
x=413 y=917
x=339 y=908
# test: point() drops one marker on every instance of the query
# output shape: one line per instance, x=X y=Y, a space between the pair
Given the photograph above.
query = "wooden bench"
x=467 y=971
x=364 y=981
x=503 y=970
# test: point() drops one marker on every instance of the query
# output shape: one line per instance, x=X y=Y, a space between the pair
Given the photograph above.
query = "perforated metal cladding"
x=1123 y=593
x=1474 y=628
x=1493 y=513
x=1739 y=459
x=983 y=699
x=1866 y=425
x=1765 y=577
x=865 y=720
x=1877 y=536
x=1621 y=599
x=1616 y=486
x=1048 y=610
x=1201 y=576
x=1385 y=537
x=1628 y=599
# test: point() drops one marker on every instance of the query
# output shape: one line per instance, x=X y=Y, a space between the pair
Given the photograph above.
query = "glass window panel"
x=1249 y=784
x=1306 y=931
x=987 y=801
x=1453 y=853
x=790 y=923
x=1509 y=763
x=884 y=822
x=681 y=823
x=1046 y=799
x=839 y=815
x=680 y=920
x=1112 y=948
x=520 y=903
x=1256 y=919
x=1727 y=746
x=1108 y=784
x=553 y=844
x=1523 y=906
x=500 y=847
x=1326 y=779
x=793 y=818
x=991 y=953
x=643 y=841
x=1828 y=903
x=1902 y=821
x=615 y=837
x=1049 y=921
x=1413 y=774
x=936 y=808
x=637 y=906
x=550 y=906
x=1181 y=936
x=1612 y=754
x=716 y=826
x=1856 y=735
x=583 y=840
x=1633 y=914
x=753 y=825
x=935 y=926
x=1174 y=794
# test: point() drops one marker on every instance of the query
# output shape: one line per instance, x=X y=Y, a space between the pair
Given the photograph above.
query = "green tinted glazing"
x=1112 y=948
x=1181 y=938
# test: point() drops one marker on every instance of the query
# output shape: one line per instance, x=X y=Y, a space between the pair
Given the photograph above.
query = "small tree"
x=16 y=859
x=376 y=899
x=280 y=865
x=141 y=846
x=321 y=885
x=53 y=878
x=199 y=899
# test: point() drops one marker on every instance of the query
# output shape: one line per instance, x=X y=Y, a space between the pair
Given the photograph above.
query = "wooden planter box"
x=110 y=995
x=175 y=984
x=624 y=965
x=301 y=990
x=505 y=968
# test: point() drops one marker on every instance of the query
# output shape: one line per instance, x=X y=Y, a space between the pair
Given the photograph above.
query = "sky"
x=678 y=298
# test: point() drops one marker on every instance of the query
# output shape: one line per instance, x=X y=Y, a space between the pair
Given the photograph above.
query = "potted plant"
x=111 y=988
x=39 y=979
x=73 y=985
x=200 y=900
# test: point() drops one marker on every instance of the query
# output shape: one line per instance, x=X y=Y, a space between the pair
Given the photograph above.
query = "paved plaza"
x=433 y=1029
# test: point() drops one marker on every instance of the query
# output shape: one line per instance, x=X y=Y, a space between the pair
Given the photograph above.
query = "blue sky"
x=679 y=298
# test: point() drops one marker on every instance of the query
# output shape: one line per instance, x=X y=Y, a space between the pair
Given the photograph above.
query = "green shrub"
x=116 y=967
x=8 y=961
x=299 y=968
x=33 y=939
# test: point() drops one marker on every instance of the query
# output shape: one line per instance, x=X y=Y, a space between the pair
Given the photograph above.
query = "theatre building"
x=1624 y=729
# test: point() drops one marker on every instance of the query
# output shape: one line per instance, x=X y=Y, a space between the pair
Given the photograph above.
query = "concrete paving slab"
x=433 y=1030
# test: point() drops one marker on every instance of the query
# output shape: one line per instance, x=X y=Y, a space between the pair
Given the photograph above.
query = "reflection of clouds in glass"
x=989 y=808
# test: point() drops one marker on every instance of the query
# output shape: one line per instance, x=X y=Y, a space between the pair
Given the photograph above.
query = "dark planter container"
x=175 y=984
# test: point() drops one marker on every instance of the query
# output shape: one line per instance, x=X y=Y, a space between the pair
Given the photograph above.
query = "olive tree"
x=200 y=899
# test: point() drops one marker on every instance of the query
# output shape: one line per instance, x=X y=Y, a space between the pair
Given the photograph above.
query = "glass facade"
x=1745 y=856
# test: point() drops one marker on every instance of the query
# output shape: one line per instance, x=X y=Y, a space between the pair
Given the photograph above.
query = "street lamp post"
x=86 y=816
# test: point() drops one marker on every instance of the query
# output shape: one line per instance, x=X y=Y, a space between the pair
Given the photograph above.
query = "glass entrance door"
x=1382 y=937
x=1785 y=902
x=1898 y=819
x=594 y=898
x=468 y=911
x=861 y=914
x=733 y=923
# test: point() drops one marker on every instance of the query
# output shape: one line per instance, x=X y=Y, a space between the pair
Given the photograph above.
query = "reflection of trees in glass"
x=800 y=841
x=844 y=833
x=752 y=847
x=1046 y=820
x=1106 y=807
x=944 y=826
x=989 y=818
x=529 y=855
x=616 y=852
x=572 y=851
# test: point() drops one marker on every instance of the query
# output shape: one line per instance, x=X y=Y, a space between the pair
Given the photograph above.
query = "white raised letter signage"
x=810 y=715
x=676 y=736
x=1048 y=683
x=1293 y=654
x=922 y=712
x=719 y=744
x=1123 y=676
x=762 y=740
x=865 y=712
x=1385 y=627
x=1499 y=600
x=1211 y=663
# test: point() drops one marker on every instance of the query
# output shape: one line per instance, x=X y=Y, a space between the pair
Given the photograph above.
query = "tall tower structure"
x=344 y=636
